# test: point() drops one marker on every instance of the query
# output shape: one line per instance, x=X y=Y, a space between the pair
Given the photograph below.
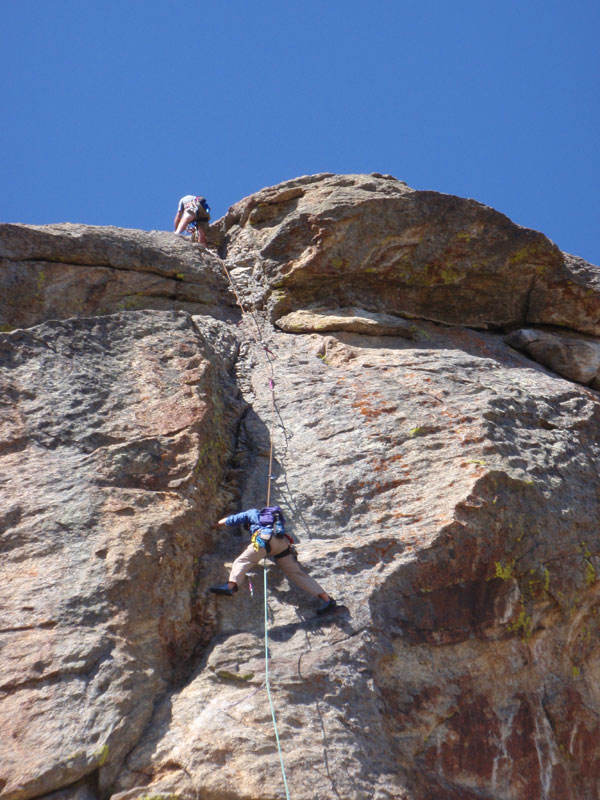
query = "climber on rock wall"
x=193 y=208
x=269 y=540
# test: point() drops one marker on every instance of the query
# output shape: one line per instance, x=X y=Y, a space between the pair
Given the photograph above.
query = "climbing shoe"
x=224 y=588
x=327 y=607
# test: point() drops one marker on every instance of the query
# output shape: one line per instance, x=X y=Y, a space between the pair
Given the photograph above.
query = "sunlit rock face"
x=106 y=424
x=62 y=271
x=442 y=486
x=371 y=241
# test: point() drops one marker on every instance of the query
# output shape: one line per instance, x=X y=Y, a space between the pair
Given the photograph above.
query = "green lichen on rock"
x=522 y=624
x=538 y=584
x=131 y=303
x=585 y=549
x=504 y=572
x=439 y=274
x=590 y=573
x=102 y=755
x=449 y=275
x=240 y=677
x=41 y=281
x=536 y=253
x=340 y=264
x=546 y=579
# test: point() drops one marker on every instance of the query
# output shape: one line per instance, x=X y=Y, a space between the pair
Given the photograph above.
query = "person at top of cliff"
x=269 y=540
x=193 y=208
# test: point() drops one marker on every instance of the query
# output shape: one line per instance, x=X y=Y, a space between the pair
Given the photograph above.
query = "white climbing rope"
x=267 y=684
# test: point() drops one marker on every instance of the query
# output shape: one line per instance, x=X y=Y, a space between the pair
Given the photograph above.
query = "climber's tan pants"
x=291 y=569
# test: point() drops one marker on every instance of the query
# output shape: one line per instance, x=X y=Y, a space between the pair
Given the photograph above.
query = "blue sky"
x=114 y=109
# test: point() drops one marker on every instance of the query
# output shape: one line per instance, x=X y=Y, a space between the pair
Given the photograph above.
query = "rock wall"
x=442 y=485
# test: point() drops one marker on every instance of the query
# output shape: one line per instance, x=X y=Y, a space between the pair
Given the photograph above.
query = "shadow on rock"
x=340 y=618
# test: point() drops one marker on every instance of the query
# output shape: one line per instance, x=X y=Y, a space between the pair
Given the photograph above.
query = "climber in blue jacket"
x=269 y=540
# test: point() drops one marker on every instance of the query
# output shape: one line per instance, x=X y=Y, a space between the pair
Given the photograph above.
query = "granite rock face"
x=573 y=356
x=371 y=241
x=353 y=320
x=442 y=486
x=106 y=425
x=61 y=271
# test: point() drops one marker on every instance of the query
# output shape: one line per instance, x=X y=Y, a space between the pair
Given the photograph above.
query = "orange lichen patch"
x=383 y=549
x=410 y=517
x=388 y=485
x=473 y=438
x=381 y=464
x=366 y=404
x=477 y=468
x=454 y=416
x=397 y=457
x=372 y=413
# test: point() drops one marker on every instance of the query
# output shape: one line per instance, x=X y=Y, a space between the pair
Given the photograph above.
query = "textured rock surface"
x=371 y=241
x=353 y=320
x=445 y=492
x=444 y=488
x=60 y=271
x=106 y=424
x=574 y=357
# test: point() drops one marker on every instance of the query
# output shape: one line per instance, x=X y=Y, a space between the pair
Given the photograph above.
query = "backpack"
x=201 y=203
x=199 y=207
x=272 y=517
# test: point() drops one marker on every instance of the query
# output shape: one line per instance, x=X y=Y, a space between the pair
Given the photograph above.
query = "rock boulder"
x=371 y=241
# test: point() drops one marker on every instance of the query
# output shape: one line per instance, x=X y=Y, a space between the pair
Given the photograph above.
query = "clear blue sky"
x=113 y=109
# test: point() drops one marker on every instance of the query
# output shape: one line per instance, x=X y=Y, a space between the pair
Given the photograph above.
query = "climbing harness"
x=194 y=230
x=258 y=541
x=272 y=523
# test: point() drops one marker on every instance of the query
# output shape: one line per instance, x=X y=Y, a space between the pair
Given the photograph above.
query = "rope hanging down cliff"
x=269 y=358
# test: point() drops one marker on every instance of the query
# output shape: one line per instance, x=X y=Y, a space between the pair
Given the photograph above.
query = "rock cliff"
x=435 y=425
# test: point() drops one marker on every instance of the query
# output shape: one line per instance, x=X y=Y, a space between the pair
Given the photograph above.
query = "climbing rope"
x=268 y=687
x=269 y=357
x=272 y=387
x=245 y=314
